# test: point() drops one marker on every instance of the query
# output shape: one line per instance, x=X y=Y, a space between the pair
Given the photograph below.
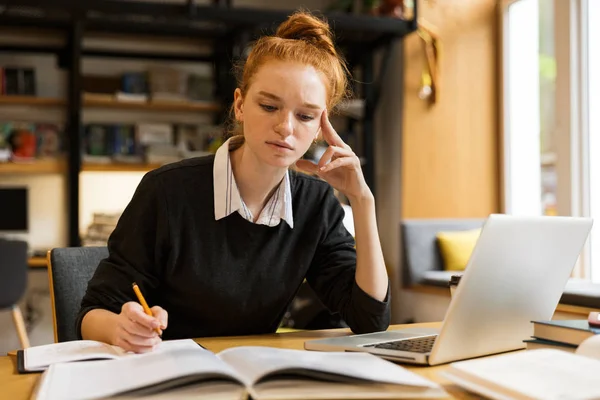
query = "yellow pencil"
x=142 y=301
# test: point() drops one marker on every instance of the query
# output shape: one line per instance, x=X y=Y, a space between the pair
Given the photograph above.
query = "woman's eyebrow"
x=277 y=98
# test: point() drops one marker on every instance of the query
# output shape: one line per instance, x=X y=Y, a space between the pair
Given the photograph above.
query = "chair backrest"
x=13 y=271
x=419 y=245
x=69 y=270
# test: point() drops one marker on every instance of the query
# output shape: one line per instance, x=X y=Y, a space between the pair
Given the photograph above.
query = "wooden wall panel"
x=451 y=148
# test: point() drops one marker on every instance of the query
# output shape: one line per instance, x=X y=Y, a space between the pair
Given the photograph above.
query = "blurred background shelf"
x=37 y=262
x=171 y=106
x=117 y=167
x=31 y=101
x=49 y=166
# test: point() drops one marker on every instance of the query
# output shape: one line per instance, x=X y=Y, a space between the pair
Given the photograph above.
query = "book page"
x=214 y=390
x=255 y=363
x=544 y=373
x=590 y=347
x=152 y=371
x=302 y=389
x=164 y=346
x=39 y=357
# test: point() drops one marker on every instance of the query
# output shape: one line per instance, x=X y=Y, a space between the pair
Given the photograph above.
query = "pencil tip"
x=134 y=284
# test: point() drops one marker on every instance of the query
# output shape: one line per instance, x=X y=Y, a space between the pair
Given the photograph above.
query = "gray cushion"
x=71 y=269
x=419 y=245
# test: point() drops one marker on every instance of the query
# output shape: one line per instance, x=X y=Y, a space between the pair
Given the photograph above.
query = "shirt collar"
x=227 y=196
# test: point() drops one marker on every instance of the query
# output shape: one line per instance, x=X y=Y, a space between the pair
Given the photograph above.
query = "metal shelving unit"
x=226 y=29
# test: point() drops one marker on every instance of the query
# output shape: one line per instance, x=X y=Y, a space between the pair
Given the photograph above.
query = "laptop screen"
x=13 y=209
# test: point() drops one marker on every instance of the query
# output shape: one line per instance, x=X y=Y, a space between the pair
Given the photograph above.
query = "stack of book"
x=560 y=334
x=99 y=230
x=148 y=142
x=155 y=84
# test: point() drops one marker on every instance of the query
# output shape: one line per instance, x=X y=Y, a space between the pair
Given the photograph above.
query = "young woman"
x=222 y=243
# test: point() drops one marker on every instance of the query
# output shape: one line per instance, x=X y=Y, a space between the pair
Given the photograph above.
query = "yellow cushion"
x=456 y=247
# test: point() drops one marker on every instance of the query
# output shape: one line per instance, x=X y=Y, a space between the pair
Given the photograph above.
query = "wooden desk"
x=19 y=387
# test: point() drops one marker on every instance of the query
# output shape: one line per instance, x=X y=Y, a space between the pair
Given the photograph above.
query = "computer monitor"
x=13 y=210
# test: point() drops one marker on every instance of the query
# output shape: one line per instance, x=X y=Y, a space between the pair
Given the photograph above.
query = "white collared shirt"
x=227 y=195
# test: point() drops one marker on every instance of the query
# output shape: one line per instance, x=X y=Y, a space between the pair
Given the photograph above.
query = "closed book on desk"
x=526 y=375
x=573 y=331
x=260 y=372
x=535 y=344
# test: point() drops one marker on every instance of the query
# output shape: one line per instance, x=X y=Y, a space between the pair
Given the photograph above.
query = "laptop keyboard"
x=422 y=344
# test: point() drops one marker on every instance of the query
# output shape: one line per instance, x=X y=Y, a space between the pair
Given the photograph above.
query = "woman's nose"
x=285 y=126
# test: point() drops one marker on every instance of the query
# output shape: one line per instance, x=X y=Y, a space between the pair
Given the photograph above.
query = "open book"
x=533 y=374
x=188 y=371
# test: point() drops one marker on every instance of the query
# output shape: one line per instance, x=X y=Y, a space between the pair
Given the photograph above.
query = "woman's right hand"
x=135 y=331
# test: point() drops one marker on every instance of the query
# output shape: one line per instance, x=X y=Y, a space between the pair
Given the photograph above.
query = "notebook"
x=536 y=374
x=263 y=373
x=572 y=331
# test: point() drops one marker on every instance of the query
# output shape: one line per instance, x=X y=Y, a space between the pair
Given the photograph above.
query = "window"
x=551 y=113
x=593 y=111
x=529 y=108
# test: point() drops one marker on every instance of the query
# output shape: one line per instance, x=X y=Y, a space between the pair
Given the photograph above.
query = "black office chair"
x=69 y=271
x=13 y=282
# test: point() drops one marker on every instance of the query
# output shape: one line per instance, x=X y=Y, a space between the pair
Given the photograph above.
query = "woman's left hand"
x=338 y=166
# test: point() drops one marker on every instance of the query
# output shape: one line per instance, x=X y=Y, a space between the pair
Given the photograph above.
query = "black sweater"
x=228 y=277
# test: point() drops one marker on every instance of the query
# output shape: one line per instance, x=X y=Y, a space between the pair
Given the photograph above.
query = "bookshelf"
x=42 y=166
x=117 y=167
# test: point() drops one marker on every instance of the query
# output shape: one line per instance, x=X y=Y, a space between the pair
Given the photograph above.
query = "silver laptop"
x=516 y=274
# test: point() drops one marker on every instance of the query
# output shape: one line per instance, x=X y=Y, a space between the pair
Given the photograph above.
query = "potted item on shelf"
x=22 y=142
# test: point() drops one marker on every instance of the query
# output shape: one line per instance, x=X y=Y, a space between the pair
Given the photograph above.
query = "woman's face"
x=281 y=111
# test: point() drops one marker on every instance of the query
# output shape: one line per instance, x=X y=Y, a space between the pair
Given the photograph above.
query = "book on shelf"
x=571 y=331
x=535 y=374
x=134 y=83
x=18 y=81
x=180 y=368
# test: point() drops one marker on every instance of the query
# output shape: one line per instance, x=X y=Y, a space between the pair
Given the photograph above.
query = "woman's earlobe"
x=238 y=101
